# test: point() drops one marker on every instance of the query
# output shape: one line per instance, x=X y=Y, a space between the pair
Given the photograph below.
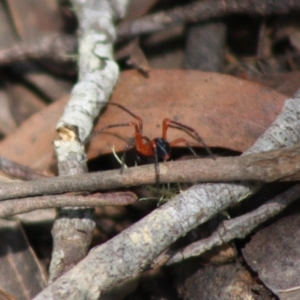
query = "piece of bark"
x=20 y=272
x=273 y=253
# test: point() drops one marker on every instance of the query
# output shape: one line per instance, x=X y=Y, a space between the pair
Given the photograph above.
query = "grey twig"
x=274 y=165
x=235 y=228
x=200 y=11
x=18 y=206
x=55 y=46
x=16 y=170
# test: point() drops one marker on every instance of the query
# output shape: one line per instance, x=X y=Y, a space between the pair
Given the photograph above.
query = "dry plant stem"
x=238 y=227
x=19 y=206
x=58 y=46
x=135 y=248
x=98 y=73
x=16 y=170
x=73 y=227
x=54 y=46
x=274 y=165
x=202 y=11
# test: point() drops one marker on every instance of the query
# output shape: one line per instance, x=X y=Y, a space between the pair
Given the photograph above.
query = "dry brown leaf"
x=21 y=275
x=23 y=102
x=227 y=112
x=31 y=144
x=273 y=253
x=7 y=122
x=31 y=25
x=285 y=83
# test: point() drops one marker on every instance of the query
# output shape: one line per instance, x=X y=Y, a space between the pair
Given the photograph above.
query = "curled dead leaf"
x=227 y=112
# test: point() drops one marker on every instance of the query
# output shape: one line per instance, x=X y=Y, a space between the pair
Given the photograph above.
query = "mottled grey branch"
x=98 y=73
x=73 y=227
x=238 y=227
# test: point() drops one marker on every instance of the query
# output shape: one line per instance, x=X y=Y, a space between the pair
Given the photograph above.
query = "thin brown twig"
x=16 y=170
x=200 y=11
x=17 y=206
x=275 y=165
x=56 y=47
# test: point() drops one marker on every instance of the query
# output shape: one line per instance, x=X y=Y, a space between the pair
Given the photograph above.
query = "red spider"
x=158 y=148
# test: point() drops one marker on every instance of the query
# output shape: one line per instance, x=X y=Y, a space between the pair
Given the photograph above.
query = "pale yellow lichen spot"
x=136 y=237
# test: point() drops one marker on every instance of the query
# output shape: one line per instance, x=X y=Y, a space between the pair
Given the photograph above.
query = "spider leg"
x=143 y=149
x=156 y=165
x=184 y=141
x=124 y=153
x=113 y=126
x=146 y=138
x=140 y=121
x=137 y=136
x=168 y=122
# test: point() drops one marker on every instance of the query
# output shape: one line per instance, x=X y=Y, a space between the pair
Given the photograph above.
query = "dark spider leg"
x=129 y=112
x=157 y=171
x=124 y=153
x=127 y=145
x=184 y=141
x=108 y=127
x=112 y=126
x=167 y=122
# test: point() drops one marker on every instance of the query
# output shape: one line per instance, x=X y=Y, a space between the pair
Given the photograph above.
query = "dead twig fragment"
x=200 y=11
x=236 y=228
x=55 y=46
x=98 y=73
x=274 y=165
x=18 y=206
x=16 y=170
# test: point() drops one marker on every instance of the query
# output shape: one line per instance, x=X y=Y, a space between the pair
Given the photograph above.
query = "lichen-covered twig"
x=98 y=74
